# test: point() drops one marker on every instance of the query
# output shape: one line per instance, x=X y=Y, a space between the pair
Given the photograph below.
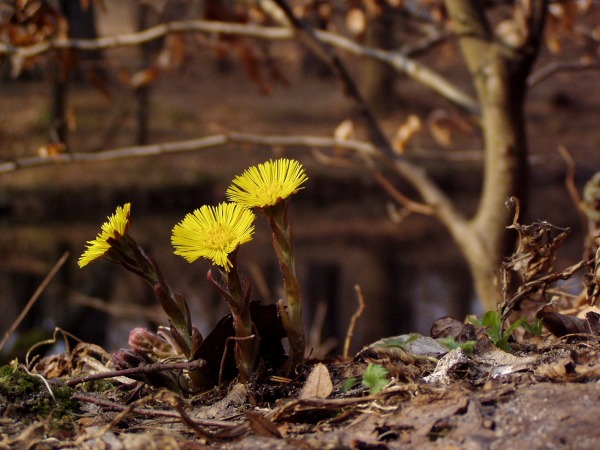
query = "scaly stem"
x=283 y=245
x=238 y=299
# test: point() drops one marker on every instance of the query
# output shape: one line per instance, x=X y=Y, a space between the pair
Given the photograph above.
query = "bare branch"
x=150 y=34
x=571 y=186
x=34 y=298
x=357 y=314
x=556 y=67
x=411 y=67
x=150 y=412
x=473 y=29
x=400 y=197
x=144 y=369
x=360 y=147
x=430 y=193
x=398 y=60
x=306 y=34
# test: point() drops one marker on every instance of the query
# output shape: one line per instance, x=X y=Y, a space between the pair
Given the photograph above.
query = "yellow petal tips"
x=267 y=184
x=213 y=232
x=115 y=228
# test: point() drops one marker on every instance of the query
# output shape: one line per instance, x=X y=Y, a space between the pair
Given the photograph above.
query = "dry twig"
x=570 y=182
x=144 y=369
x=398 y=60
x=358 y=313
x=34 y=298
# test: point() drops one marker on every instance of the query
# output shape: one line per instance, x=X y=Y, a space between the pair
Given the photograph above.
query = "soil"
x=543 y=394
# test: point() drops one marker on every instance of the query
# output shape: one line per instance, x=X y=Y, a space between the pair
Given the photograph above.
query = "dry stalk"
x=34 y=298
x=353 y=320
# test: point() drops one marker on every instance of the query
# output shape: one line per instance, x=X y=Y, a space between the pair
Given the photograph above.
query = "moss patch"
x=24 y=397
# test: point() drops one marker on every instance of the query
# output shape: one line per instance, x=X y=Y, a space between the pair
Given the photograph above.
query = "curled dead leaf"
x=143 y=77
x=50 y=150
x=561 y=325
x=344 y=131
x=405 y=132
x=442 y=125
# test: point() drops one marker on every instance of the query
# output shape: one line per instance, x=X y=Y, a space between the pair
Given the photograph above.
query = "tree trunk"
x=81 y=26
x=499 y=73
x=377 y=77
x=142 y=93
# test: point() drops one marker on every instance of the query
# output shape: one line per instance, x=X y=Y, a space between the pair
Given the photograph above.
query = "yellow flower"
x=116 y=227
x=266 y=184
x=213 y=232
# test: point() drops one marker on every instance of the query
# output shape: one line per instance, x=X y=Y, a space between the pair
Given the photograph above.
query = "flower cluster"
x=216 y=233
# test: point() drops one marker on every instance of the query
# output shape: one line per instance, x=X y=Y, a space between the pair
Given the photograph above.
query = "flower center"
x=270 y=192
x=219 y=237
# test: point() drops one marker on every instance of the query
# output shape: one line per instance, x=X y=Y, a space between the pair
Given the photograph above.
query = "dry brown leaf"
x=405 y=132
x=318 y=384
x=344 y=131
x=262 y=426
x=356 y=21
x=51 y=150
x=443 y=125
x=143 y=77
x=560 y=325
x=174 y=52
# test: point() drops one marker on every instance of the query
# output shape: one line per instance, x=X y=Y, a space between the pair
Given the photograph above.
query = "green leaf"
x=400 y=341
x=534 y=328
x=350 y=383
x=451 y=344
x=375 y=377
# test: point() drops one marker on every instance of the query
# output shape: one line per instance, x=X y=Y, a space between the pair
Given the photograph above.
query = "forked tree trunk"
x=499 y=72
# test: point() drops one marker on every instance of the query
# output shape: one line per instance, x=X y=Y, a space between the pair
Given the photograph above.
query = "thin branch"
x=556 y=67
x=411 y=67
x=149 y=412
x=34 y=298
x=150 y=34
x=416 y=176
x=118 y=309
x=398 y=60
x=357 y=314
x=475 y=33
x=409 y=204
x=143 y=369
x=188 y=146
x=570 y=183
x=533 y=285
x=307 y=35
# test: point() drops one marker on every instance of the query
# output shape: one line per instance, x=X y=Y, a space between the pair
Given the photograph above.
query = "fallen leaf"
x=261 y=425
x=560 y=325
x=318 y=384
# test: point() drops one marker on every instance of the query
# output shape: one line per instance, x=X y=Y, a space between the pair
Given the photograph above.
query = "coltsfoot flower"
x=267 y=184
x=213 y=232
x=115 y=228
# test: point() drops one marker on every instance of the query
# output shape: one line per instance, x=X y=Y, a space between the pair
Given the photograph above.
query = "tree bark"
x=499 y=71
x=377 y=78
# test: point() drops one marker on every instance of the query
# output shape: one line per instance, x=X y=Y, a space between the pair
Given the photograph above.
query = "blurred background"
x=185 y=86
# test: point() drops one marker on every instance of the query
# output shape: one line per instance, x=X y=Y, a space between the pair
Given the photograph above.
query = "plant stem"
x=283 y=245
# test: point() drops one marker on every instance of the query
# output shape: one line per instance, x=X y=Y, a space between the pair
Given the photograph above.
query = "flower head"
x=115 y=228
x=213 y=232
x=267 y=184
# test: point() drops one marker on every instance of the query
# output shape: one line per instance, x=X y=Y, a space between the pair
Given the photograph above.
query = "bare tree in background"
x=499 y=42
